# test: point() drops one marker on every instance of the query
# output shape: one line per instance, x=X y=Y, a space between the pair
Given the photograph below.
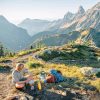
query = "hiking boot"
x=32 y=87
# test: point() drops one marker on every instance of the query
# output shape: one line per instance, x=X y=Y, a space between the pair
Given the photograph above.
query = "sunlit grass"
x=96 y=83
x=24 y=52
x=67 y=71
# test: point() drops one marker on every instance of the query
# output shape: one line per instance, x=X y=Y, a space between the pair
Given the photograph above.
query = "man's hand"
x=27 y=80
x=19 y=85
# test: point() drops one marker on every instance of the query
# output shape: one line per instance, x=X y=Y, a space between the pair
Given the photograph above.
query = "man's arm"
x=29 y=76
x=21 y=82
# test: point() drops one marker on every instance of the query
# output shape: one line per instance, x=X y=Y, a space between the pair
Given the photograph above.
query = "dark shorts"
x=23 y=79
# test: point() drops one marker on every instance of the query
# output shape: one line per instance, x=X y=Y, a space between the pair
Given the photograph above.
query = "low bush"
x=32 y=64
x=98 y=74
x=25 y=52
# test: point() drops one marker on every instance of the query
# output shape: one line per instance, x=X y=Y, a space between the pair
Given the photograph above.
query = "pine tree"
x=31 y=47
x=1 y=50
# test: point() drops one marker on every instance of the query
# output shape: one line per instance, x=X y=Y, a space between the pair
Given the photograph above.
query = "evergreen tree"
x=1 y=50
x=31 y=47
x=40 y=45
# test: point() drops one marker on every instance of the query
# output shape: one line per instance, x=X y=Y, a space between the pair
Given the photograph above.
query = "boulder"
x=88 y=71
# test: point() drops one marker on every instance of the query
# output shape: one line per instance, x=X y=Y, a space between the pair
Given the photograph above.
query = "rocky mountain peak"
x=81 y=10
x=80 y=13
x=68 y=15
x=97 y=6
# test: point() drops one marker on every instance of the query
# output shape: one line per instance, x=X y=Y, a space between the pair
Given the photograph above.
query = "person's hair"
x=19 y=65
x=58 y=71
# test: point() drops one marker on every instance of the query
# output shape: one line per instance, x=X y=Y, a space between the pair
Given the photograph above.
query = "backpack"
x=58 y=76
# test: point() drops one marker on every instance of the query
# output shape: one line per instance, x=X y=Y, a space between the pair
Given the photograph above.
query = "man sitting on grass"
x=19 y=79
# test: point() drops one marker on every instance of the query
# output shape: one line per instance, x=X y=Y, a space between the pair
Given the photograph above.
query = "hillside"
x=90 y=36
x=13 y=37
x=57 y=39
x=70 y=52
x=77 y=85
x=87 y=37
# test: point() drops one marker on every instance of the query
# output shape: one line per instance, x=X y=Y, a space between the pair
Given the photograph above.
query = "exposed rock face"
x=90 y=19
x=68 y=17
x=81 y=10
x=85 y=20
x=89 y=70
x=79 y=14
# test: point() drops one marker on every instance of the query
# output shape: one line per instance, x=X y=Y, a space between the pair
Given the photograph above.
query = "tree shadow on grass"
x=5 y=69
x=49 y=95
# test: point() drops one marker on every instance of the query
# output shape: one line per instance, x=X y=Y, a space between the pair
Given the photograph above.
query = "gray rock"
x=88 y=71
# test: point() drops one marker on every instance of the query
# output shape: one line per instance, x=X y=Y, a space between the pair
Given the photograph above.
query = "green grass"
x=69 y=72
x=46 y=56
x=32 y=64
x=74 y=52
x=96 y=83
x=25 y=52
x=1 y=66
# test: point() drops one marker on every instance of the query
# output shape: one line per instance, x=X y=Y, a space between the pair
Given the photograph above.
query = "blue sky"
x=17 y=10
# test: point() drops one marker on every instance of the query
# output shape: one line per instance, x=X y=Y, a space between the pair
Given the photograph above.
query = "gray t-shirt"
x=16 y=76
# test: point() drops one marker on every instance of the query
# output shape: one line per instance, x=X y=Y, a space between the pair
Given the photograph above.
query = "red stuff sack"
x=50 y=79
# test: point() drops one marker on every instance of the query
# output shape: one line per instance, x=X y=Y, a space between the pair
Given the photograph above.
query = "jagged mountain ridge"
x=80 y=20
x=34 y=26
x=88 y=20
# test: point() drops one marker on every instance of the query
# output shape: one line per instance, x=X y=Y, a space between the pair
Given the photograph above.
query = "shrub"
x=4 y=60
x=1 y=67
x=32 y=64
x=46 y=56
x=98 y=74
x=25 y=52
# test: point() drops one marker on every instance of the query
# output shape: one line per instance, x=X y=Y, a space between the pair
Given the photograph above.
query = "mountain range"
x=82 y=25
x=34 y=26
x=80 y=20
x=58 y=32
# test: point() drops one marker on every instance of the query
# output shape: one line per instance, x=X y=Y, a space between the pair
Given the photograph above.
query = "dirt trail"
x=4 y=84
x=5 y=73
x=26 y=57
